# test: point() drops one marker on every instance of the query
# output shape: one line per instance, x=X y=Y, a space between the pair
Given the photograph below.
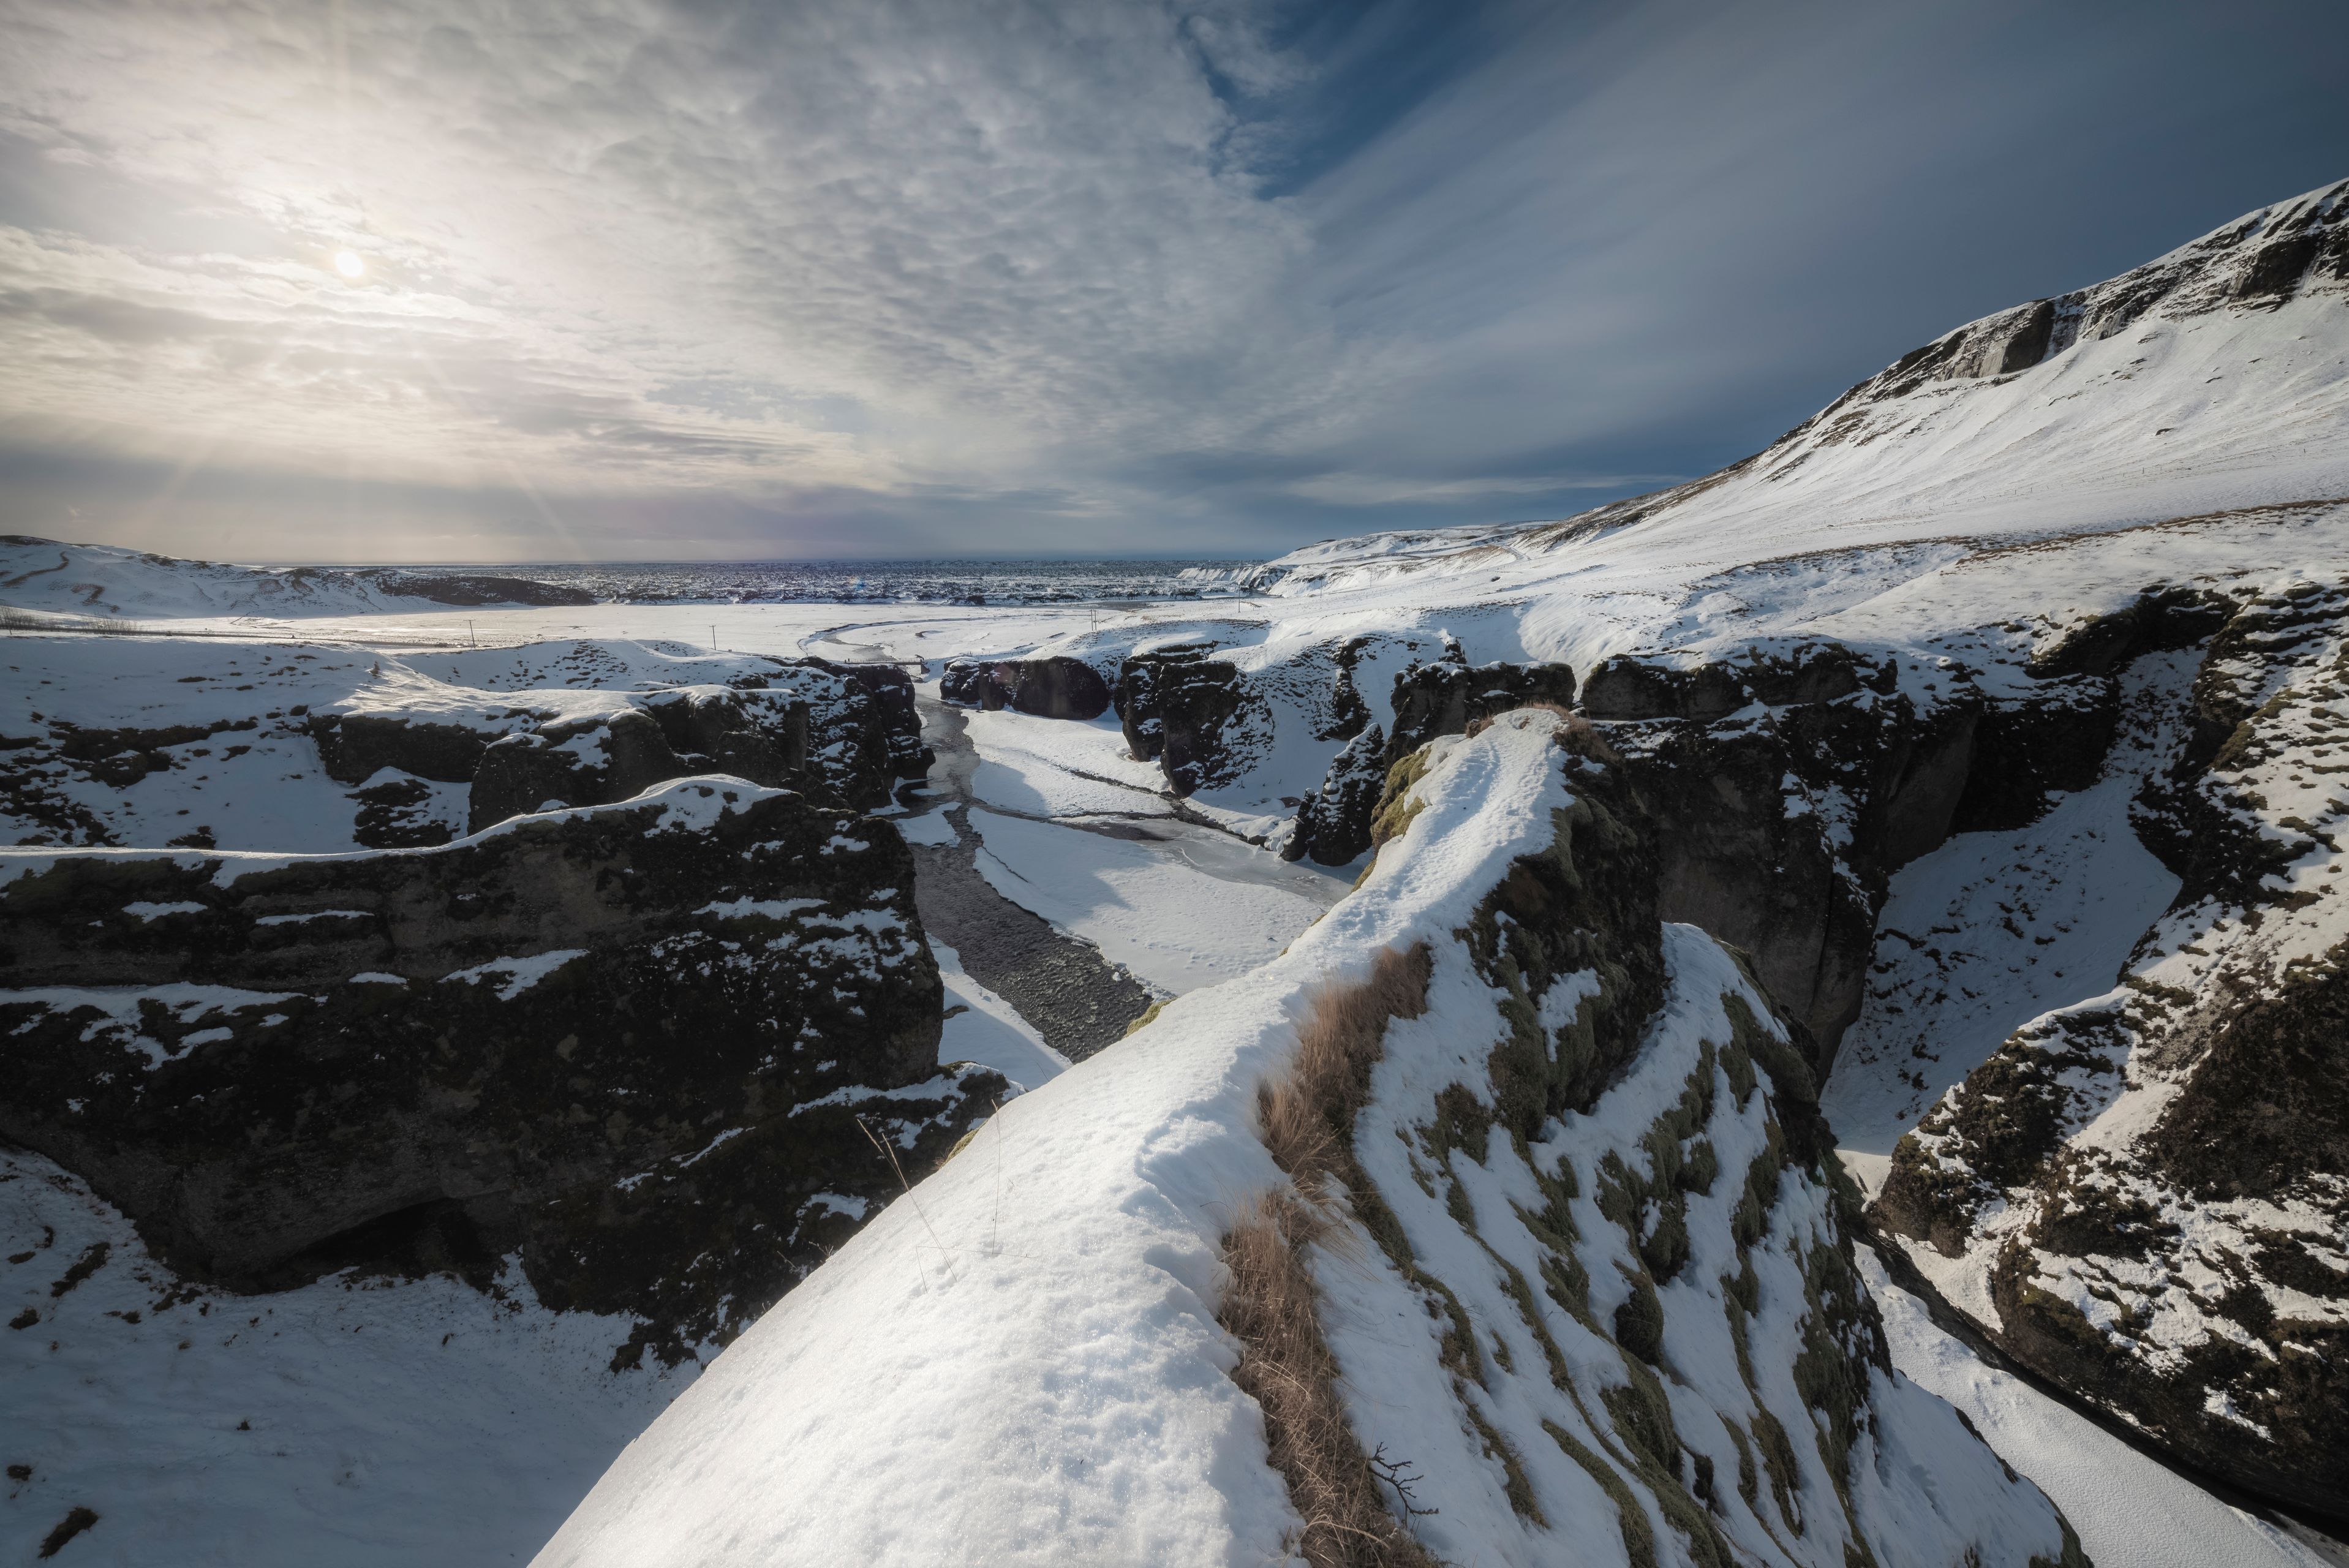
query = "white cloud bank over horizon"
x=730 y=280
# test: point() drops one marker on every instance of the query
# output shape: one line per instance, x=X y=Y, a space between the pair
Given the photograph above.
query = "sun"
x=348 y=262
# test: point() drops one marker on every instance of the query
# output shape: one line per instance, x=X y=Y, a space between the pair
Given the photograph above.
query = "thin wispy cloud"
x=741 y=279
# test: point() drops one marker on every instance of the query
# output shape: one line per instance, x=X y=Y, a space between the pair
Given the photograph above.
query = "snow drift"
x=1588 y=1280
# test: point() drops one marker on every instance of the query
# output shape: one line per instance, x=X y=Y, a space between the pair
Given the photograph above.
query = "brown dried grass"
x=1307 y=1118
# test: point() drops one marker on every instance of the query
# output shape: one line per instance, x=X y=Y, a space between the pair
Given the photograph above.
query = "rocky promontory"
x=631 y=1045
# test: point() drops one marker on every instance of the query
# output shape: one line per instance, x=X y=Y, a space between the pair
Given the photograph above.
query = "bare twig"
x=1396 y=1474
x=888 y=1148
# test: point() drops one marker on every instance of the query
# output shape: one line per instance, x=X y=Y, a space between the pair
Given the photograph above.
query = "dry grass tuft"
x=1287 y=1366
x=1308 y=1120
x=1307 y=1116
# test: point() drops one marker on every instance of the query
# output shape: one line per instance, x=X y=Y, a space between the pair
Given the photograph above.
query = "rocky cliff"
x=151 y=740
x=2144 y=1194
x=638 y=1047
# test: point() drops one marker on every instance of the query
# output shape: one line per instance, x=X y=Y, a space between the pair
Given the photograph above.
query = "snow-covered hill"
x=2212 y=378
x=45 y=576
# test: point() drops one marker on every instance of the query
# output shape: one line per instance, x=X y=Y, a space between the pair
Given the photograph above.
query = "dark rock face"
x=887 y=726
x=1791 y=783
x=1136 y=696
x=845 y=733
x=396 y=815
x=1444 y=697
x=1177 y=705
x=755 y=734
x=1056 y=687
x=1333 y=825
x=1780 y=830
x=1588 y=904
x=1438 y=697
x=2053 y=740
x=1624 y=687
x=588 y=764
x=2189 y=1274
x=2160 y=621
x=353 y=748
x=631 y=1044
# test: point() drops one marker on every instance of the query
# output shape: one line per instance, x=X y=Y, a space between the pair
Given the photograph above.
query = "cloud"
x=1112 y=274
x=919 y=212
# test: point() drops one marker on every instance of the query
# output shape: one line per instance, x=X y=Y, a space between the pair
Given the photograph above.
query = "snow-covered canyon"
x=1992 y=718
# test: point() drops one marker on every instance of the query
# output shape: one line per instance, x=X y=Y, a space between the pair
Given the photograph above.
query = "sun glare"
x=348 y=262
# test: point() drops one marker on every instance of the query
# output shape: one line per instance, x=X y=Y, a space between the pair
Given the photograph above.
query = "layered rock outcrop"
x=1054 y=687
x=1436 y=697
x=847 y=733
x=637 y=1045
x=150 y=740
x=1192 y=713
x=2145 y=1196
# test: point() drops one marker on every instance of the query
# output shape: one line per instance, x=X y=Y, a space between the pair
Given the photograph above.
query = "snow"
x=516 y=976
x=1992 y=930
x=2129 y=1509
x=352 y=1422
x=146 y=910
x=983 y=1027
x=1018 y=1362
x=933 y=827
x=1023 y=1364
x=1062 y=768
x=1180 y=912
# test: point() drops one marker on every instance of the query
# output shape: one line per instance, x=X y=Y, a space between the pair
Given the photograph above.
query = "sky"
x=505 y=280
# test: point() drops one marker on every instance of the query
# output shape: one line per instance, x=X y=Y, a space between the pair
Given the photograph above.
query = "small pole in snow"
x=470 y=636
x=713 y=638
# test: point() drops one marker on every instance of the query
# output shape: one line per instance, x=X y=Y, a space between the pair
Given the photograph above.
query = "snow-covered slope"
x=1022 y=1361
x=2214 y=376
x=2202 y=396
x=43 y=575
x=367 y=1422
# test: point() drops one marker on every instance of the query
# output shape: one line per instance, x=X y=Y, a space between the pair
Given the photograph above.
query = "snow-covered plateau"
x=1800 y=1018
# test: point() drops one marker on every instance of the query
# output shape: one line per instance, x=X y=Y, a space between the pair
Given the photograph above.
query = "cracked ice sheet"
x=1061 y=768
x=2128 y=1510
x=1190 y=909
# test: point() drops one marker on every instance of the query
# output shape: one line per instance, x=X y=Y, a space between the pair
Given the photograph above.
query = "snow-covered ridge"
x=1022 y=1362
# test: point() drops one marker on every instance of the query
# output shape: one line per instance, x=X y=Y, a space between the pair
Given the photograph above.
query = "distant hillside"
x=99 y=579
